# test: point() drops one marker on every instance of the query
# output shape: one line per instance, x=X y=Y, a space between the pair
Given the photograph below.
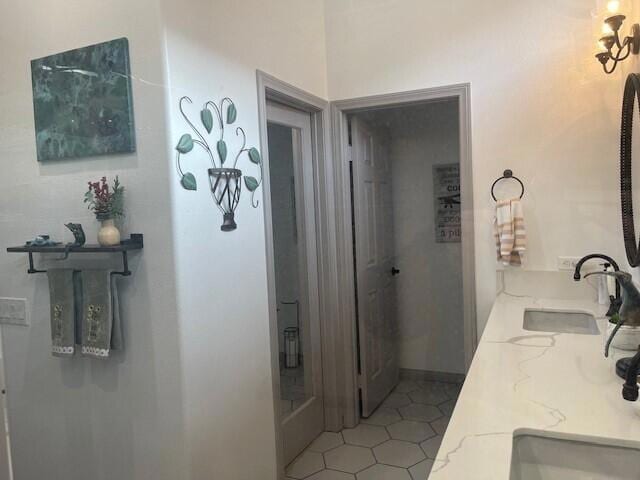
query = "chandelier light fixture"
x=614 y=48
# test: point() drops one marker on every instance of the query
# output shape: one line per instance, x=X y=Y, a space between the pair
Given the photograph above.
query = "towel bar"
x=136 y=242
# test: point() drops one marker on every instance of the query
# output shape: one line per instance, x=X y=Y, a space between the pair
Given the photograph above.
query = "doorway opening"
x=406 y=207
x=403 y=164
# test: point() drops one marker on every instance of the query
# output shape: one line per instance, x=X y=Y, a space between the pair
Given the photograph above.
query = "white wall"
x=81 y=418
x=541 y=105
x=191 y=397
x=214 y=49
x=429 y=287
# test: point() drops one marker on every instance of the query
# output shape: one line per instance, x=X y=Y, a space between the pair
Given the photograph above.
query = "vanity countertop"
x=545 y=381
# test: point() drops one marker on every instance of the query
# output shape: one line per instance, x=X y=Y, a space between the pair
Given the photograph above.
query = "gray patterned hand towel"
x=101 y=329
x=63 y=311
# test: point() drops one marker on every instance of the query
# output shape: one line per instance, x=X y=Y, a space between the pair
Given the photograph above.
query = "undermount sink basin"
x=541 y=455
x=560 y=322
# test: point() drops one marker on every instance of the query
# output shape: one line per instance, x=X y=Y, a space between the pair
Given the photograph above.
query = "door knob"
x=394 y=271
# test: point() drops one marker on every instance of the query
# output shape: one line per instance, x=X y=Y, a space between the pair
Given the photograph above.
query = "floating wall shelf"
x=134 y=243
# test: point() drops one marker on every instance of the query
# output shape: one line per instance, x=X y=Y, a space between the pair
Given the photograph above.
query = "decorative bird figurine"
x=79 y=238
x=629 y=314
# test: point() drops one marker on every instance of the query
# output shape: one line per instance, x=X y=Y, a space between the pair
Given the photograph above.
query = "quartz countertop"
x=557 y=382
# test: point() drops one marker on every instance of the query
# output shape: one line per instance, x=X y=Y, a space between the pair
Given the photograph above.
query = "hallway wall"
x=429 y=287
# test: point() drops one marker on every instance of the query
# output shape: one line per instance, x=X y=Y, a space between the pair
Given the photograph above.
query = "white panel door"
x=375 y=286
x=296 y=275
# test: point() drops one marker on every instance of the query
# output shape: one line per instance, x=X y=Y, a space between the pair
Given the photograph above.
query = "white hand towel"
x=509 y=232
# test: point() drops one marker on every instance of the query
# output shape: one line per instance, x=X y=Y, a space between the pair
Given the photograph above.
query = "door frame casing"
x=346 y=300
x=272 y=89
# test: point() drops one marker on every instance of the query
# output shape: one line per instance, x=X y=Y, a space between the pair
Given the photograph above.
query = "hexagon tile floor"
x=398 y=442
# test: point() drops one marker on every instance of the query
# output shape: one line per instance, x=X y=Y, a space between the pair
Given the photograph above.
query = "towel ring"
x=507 y=174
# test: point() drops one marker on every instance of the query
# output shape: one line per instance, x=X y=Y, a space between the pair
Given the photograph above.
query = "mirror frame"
x=631 y=244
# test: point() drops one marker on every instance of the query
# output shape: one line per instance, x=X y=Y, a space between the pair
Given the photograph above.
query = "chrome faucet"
x=615 y=302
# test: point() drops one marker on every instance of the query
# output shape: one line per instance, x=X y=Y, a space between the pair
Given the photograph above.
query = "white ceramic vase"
x=627 y=338
x=108 y=235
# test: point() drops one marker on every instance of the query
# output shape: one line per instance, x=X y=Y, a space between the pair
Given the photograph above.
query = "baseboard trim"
x=427 y=375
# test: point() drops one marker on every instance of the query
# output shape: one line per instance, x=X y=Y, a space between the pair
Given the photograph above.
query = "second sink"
x=549 y=456
x=560 y=322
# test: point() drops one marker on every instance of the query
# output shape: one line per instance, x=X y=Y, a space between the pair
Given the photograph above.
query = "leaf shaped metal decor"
x=185 y=144
x=207 y=119
x=222 y=150
x=254 y=156
x=251 y=183
x=188 y=181
x=232 y=113
x=225 y=181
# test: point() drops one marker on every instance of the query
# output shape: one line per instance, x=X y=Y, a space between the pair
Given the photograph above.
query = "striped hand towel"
x=509 y=232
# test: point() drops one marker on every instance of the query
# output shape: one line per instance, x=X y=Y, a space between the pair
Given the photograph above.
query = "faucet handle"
x=630 y=393
x=630 y=388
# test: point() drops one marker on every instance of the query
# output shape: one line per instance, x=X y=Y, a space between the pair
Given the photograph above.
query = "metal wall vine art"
x=225 y=182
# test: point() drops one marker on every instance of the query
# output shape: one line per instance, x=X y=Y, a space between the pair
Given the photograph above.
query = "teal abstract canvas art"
x=82 y=102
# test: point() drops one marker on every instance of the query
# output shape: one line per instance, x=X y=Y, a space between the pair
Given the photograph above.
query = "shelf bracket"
x=31 y=267
x=125 y=266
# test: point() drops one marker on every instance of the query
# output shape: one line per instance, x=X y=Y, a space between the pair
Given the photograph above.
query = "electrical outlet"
x=567 y=263
x=13 y=311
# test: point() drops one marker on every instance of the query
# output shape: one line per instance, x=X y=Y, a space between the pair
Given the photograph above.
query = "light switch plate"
x=13 y=311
